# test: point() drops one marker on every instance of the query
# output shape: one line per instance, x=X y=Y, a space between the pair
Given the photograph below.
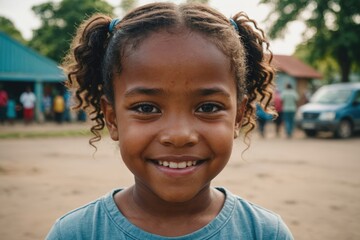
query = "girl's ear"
x=110 y=118
x=241 y=107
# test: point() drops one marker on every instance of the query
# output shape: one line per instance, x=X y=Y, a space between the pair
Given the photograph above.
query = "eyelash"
x=139 y=108
x=215 y=108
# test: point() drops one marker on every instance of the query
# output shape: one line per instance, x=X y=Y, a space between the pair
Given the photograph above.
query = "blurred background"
x=310 y=176
x=314 y=43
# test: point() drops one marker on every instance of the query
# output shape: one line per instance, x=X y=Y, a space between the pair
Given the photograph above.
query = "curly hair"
x=96 y=54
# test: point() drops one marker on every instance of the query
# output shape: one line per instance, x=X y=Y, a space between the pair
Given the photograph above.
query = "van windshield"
x=331 y=96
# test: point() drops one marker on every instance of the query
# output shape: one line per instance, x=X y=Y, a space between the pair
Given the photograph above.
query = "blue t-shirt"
x=238 y=219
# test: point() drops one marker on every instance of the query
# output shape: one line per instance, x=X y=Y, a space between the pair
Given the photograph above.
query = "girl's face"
x=174 y=114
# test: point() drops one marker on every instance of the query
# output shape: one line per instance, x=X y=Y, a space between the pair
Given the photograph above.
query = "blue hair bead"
x=234 y=24
x=113 y=23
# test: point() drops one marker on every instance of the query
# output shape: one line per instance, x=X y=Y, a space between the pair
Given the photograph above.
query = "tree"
x=127 y=5
x=198 y=1
x=327 y=65
x=333 y=29
x=59 y=22
x=8 y=27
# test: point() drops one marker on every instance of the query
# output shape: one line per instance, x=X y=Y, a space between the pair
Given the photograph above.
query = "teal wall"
x=21 y=66
x=282 y=79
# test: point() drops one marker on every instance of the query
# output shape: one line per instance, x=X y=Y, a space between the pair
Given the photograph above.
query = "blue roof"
x=20 y=63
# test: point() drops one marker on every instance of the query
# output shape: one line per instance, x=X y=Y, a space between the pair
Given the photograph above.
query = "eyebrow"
x=143 y=91
x=213 y=91
x=158 y=91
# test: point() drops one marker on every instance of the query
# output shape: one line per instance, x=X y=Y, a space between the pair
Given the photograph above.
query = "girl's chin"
x=178 y=195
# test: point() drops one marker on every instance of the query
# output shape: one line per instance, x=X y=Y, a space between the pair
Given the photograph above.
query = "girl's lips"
x=177 y=158
x=177 y=166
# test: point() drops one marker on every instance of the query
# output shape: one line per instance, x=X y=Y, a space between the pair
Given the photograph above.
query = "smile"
x=184 y=164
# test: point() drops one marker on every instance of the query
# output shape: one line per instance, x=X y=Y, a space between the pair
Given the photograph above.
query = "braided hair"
x=96 y=54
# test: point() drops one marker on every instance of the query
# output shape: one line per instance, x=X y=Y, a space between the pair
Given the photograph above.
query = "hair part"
x=96 y=55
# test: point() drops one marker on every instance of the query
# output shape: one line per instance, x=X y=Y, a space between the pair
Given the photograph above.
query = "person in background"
x=47 y=106
x=11 y=109
x=67 y=99
x=262 y=118
x=3 y=103
x=279 y=109
x=81 y=115
x=28 y=99
x=289 y=99
x=59 y=107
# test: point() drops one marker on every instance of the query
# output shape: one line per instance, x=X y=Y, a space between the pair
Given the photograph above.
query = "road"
x=314 y=184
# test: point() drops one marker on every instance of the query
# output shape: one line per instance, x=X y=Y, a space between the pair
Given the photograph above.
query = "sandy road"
x=314 y=184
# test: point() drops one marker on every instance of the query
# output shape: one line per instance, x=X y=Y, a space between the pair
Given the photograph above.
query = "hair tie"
x=234 y=25
x=113 y=23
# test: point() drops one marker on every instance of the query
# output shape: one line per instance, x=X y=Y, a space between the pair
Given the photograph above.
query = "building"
x=297 y=73
x=21 y=66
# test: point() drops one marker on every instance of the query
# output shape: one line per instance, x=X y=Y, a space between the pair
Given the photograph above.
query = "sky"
x=20 y=13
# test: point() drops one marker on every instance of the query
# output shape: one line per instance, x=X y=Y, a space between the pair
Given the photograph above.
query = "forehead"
x=183 y=57
x=176 y=44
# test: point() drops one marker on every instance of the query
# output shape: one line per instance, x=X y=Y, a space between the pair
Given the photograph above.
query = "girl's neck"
x=145 y=210
x=149 y=202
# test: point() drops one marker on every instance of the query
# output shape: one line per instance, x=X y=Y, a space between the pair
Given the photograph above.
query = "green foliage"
x=198 y=1
x=59 y=22
x=8 y=27
x=327 y=66
x=333 y=29
x=127 y=5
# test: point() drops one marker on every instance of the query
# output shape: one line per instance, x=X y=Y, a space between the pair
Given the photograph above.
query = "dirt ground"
x=314 y=184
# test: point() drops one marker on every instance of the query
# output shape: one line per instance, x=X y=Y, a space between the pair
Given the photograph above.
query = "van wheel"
x=344 y=130
x=310 y=133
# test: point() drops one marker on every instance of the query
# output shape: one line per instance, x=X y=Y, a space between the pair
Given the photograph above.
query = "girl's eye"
x=146 y=108
x=209 y=108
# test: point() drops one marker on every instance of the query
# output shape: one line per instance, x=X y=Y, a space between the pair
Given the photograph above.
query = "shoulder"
x=69 y=225
x=83 y=222
x=260 y=223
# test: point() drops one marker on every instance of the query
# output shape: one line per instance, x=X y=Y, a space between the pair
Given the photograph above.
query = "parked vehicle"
x=333 y=108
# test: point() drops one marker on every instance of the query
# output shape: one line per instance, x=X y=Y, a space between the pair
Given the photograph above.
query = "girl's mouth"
x=177 y=162
x=183 y=164
x=177 y=167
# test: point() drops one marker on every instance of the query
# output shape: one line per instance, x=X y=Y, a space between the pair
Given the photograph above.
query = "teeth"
x=181 y=165
x=177 y=165
x=173 y=165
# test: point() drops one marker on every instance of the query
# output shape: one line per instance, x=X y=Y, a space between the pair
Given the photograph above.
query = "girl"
x=174 y=85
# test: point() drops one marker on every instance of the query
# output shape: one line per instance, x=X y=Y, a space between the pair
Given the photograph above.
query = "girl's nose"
x=179 y=133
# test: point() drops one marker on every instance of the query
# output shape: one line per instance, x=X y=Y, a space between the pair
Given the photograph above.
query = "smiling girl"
x=174 y=84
